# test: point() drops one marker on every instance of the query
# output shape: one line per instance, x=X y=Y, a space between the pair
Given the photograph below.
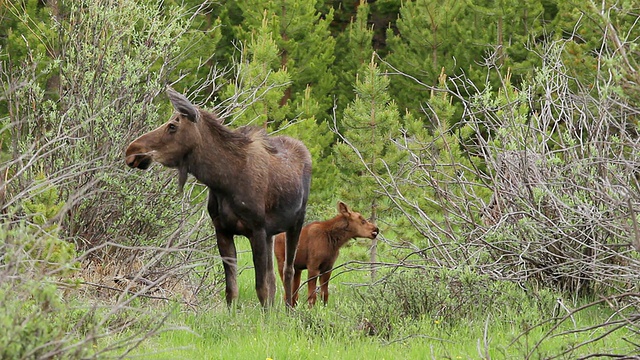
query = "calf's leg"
x=312 y=277
x=324 y=286
x=278 y=250
x=295 y=288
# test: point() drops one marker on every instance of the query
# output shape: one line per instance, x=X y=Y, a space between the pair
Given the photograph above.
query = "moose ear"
x=343 y=208
x=182 y=104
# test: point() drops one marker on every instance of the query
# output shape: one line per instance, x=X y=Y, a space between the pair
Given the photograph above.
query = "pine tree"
x=463 y=38
x=200 y=45
x=306 y=47
x=287 y=63
x=600 y=38
x=318 y=139
x=255 y=98
x=426 y=41
x=439 y=177
x=27 y=29
x=260 y=82
x=502 y=34
x=354 y=49
x=367 y=153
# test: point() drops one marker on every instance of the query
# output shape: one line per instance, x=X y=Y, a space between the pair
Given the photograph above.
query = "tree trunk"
x=374 y=243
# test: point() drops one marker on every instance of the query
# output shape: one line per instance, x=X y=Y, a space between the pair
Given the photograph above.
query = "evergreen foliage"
x=372 y=122
x=318 y=138
x=438 y=176
x=261 y=82
x=28 y=30
x=498 y=137
x=366 y=154
x=429 y=39
x=354 y=49
x=304 y=43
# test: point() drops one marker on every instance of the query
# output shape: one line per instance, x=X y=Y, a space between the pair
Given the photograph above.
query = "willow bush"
x=534 y=183
x=71 y=104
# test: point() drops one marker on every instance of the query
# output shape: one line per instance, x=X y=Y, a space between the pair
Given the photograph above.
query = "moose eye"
x=363 y=221
x=172 y=128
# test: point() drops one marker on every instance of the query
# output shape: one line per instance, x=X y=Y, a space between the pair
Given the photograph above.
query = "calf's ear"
x=343 y=209
x=182 y=104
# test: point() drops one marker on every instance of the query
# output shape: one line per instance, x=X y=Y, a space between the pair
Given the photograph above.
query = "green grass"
x=250 y=333
x=338 y=331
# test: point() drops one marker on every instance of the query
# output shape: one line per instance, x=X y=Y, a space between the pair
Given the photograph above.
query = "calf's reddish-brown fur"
x=258 y=185
x=319 y=247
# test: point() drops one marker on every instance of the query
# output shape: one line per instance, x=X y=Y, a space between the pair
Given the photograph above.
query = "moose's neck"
x=218 y=161
x=339 y=232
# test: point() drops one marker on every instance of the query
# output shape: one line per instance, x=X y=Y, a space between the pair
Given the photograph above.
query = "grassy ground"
x=250 y=333
x=344 y=330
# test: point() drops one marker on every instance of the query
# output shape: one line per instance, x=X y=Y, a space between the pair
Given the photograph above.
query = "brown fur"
x=258 y=185
x=319 y=247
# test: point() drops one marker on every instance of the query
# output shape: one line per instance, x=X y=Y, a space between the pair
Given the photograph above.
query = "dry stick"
x=485 y=341
x=136 y=294
x=398 y=196
x=3 y=186
x=620 y=324
x=420 y=336
x=636 y=238
x=599 y=355
x=570 y=315
x=368 y=265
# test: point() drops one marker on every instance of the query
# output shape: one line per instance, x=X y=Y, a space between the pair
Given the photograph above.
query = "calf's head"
x=170 y=143
x=356 y=223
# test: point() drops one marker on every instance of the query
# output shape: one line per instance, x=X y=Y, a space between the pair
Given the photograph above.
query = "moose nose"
x=375 y=232
x=130 y=160
x=141 y=162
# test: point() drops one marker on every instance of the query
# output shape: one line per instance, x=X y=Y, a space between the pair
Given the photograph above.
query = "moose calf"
x=318 y=249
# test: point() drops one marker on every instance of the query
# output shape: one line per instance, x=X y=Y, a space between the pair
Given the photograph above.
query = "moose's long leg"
x=262 y=249
x=295 y=288
x=227 y=250
x=293 y=235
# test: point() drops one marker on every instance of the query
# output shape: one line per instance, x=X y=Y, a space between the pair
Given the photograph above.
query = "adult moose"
x=258 y=185
x=319 y=247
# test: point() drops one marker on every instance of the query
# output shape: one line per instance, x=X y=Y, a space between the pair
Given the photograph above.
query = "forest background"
x=493 y=142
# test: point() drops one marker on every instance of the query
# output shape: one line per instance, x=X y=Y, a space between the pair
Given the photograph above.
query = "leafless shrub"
x=545 y=193
x=73 y=220
x=624 y=315
x=559 y=161
x=565 y=198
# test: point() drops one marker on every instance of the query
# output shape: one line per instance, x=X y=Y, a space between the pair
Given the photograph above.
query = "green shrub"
x=28 y=248
x=117 y=59
x=447 y=297
x=43 y=313
x=35 y=322
x=35 y=242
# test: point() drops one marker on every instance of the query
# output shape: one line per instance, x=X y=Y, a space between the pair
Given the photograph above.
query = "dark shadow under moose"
x=319 y=247
x=258 y=185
